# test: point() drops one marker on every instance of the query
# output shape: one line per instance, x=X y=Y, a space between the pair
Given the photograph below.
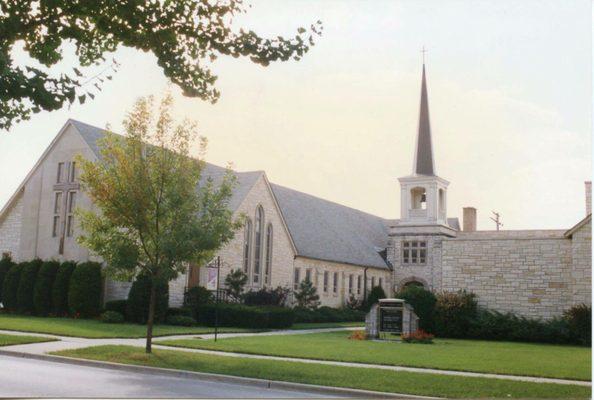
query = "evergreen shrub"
x=60 y=288
x=139 y=299
x=6 y=264
x=42 y=294
x=10 y=287
x=84 y=292
x=117 y=306
x=242 y=316
x=26 y=287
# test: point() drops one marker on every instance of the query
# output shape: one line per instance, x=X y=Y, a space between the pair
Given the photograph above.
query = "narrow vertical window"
x=258 y=244
x=60 y=176
x=351 y=283
x=72 y=172
x=57 y=211
x=247 y=243
x=325 y=281
x=380 y=283
x=358 y=284
x=70 y=213
x=335 y=283
x=296 y=278
x=373 y=281
x=308 y=275
x=268 y=266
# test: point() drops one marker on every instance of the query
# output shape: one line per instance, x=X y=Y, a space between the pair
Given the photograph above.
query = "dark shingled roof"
x=320 y=229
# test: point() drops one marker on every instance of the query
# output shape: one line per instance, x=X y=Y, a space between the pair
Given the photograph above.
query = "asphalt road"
x=20 y=377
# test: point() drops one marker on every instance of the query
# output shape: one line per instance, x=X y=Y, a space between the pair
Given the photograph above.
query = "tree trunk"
x=151 y=317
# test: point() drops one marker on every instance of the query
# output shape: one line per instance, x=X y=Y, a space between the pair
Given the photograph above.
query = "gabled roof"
x=319 y=228
x=569 y=233
x=325 y=230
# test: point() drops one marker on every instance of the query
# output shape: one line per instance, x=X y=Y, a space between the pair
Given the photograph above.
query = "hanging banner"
x=211 y=280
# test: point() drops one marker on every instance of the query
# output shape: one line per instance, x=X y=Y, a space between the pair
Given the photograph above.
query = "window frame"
x=247 y=246
x=335 y=283
x=351 y=283
x=296 y=278
x=358 y=284
x=268 y=258
x=70 y=206
x=414 y=252
x=258 y=237
x=326 y=277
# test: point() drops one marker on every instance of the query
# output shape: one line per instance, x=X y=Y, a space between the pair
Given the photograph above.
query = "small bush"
x=112 y=317
x=196 y=297
x=423 y=302
x=175 y=311
x=354 y=303
x=579 y=322
x=266 y=297
x=27 y=285
x=235 y=281
x=358 y=335
x=10 y=287
x=60 y=288
x=6 y=264
x=117 y=306
x=455 y=313
x=418 y=336
x=242 y=316
x=375 y=295
x=180 y=320
x=139 y=299
x=42 y=294
x=84 y=293
x=307 y=295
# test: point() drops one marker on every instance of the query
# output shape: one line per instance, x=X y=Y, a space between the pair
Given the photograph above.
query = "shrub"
x=180 y=320
x=42 y=294
x=328 y=314
x=117 y=306
x=423 y=301
x=418 y=336
x=307 y=295
x=175 y=311
x=10 y=287
x=60 y=288
x=579 y=322
x=27 y=285
x=139 y=299
x=455 y=313
x=242 y=316
x=196 y=297
x=375 y=295
x=112 y=317
x=6 y=264
x=266 y=297
x=235 y=281
x=354 y=303
x=358 y=335
x=84 y=292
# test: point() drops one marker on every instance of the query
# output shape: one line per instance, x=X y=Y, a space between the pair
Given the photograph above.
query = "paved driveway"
x=21 y=377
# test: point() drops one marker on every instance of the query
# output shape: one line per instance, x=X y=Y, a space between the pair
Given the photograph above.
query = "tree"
x=423 y=302
x=155 y=215
x=375 y=295
x=235 y=282
x=185 y=36
x=6 y=264
x=307 y=295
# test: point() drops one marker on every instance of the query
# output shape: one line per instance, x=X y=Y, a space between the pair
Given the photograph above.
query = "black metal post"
x=217 y=299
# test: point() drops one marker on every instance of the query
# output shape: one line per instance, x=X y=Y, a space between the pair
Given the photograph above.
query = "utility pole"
x=497 y=220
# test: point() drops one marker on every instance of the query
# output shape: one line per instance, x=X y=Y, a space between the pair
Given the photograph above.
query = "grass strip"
x=9 y=340
x=510 y=358
x=95 y=329
x=347 y=377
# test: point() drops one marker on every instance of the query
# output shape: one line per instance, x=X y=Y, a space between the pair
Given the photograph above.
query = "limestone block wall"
x=581 y=272
x=10 y=229
x=525 y=272
x=428 y=274
x=338 y=299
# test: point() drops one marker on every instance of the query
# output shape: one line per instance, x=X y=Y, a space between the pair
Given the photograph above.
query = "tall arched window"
x=247 y=244
x=258 y=236
x=268 y=267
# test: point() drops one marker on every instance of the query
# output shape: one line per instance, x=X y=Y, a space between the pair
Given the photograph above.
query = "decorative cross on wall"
x=65 y=191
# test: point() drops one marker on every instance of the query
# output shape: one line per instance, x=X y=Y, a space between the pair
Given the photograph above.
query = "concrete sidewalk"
x=71 y=343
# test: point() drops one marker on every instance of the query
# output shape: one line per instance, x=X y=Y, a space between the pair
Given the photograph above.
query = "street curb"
x=264 y=383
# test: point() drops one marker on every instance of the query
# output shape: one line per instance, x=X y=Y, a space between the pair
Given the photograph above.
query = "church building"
x=290 y=236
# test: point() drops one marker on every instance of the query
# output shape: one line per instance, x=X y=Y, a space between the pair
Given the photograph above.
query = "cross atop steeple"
x=423 y=51
x=424 y=164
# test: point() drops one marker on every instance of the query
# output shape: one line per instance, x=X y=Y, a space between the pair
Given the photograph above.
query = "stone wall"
x=338 y=299
x=10 y=229
x=525 y=272
x=581 y=272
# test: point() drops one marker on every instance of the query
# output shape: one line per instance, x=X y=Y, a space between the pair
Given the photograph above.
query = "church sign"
x=391 y=317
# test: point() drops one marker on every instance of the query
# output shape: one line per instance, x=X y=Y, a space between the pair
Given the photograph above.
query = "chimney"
x=588 y=197
x=469 y=219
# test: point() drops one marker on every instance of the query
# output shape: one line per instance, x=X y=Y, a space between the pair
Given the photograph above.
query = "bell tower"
x=423 y=194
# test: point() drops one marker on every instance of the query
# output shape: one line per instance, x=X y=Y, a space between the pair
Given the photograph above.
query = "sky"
x=510 y=88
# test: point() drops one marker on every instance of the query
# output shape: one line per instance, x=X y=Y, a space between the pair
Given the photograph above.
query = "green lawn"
x=350 y=377
x=89 y=328
x=8 y=340
x=544 y=360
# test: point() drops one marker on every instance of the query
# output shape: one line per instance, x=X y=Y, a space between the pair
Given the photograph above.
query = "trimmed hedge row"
x=44 y=288
x=328 y=314
x=242 y=316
